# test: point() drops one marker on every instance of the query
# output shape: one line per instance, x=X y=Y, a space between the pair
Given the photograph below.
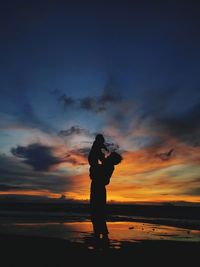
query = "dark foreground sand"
x=39 y=251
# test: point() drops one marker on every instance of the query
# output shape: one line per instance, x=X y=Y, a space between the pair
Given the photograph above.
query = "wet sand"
x=61 y=244
x=78 y=231
x=43 y=251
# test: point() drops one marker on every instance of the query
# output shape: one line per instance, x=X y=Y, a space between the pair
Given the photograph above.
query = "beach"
x=43 y=251
x=35 y=241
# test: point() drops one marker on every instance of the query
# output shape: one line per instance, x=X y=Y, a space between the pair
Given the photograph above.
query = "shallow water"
x=118 y=231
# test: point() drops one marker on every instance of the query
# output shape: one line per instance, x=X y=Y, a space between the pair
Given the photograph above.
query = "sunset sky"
x=126 y=69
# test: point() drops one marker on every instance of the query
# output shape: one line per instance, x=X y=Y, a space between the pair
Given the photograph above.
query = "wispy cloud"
x=66 y=101
x=109 y=96
x=101 y=103
x=165 y=155
x=76 y=130
x=5 y=187
x=184 y=126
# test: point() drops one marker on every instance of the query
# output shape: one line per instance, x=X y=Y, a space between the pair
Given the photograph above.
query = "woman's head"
x=99 y=138
x=115 y=158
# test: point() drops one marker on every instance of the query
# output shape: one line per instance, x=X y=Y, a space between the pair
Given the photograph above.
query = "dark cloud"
x=4 y=187
x=97 y=104
x=109 y=97
x=75 y=130
x=101 y=103
x=15 y=175
x=91 y=104
x=40 y=157
x=165 y=155
x=62 y=98
x=66 y=100
x=184 y=126
x=166 y=112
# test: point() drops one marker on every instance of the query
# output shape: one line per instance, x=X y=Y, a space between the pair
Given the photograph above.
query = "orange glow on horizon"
x=141 y=176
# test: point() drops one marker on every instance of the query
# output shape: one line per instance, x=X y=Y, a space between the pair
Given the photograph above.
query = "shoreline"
x=62 y=218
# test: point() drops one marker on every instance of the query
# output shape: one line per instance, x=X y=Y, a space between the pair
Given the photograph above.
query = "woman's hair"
x=115 y=158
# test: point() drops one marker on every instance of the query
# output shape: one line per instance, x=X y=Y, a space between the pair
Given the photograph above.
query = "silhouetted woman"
x=100 y=176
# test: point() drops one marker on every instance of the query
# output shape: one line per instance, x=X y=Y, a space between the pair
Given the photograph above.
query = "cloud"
x=193 y=188
x=75 y=130
x=79 y=138
x=66 y=100
x=78 y=156
x=91 y=104
x=97 y=104
x=153 y=119
x=184 y=126
x=194 y=191
x=83 y=151
x=39 y=156
x=17 y=176
x=165 y=155
x=101 y=103
x=4 y=187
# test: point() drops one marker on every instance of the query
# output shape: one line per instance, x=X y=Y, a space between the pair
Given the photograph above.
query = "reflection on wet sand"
x=119 y=232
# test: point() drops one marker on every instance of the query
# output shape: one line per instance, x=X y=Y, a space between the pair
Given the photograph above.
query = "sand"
x=19 y=250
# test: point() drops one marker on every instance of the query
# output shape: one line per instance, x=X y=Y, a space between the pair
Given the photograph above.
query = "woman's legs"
x=98 y=208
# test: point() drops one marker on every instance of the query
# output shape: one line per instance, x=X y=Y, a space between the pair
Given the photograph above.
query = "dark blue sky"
x=146 y=45
x=129 y=69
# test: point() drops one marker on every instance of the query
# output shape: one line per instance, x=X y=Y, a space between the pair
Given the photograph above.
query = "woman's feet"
x=105 y=236
x=97 y=236
x=105 y=240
